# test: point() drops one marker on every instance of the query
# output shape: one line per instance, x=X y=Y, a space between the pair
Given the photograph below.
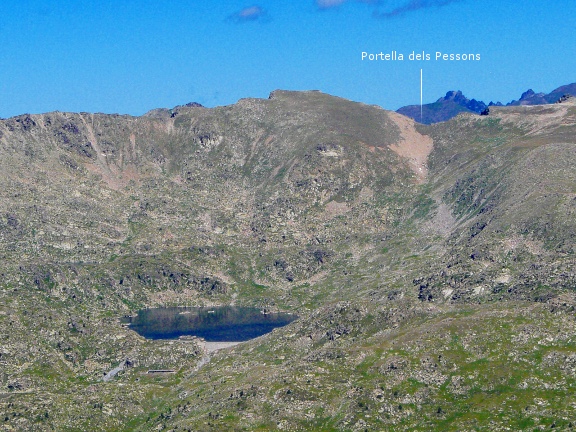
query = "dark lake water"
x=214 y=324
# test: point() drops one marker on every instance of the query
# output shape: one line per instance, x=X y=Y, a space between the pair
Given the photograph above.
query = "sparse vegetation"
x=437 y=303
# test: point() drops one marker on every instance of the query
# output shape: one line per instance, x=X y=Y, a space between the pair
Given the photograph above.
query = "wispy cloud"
x=327 y=4
x=401 y=8
x=411 y=6
x=248 y=14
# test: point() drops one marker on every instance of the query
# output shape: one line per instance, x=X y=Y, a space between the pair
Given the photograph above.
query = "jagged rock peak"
x=455 y=95
x=530 y=94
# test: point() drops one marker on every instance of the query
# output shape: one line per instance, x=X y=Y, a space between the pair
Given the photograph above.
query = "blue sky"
x=132 y=56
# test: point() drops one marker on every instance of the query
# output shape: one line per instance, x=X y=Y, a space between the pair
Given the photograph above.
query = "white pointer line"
x=420 y=95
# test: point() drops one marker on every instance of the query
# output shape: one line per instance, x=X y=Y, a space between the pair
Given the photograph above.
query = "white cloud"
x=250 y=13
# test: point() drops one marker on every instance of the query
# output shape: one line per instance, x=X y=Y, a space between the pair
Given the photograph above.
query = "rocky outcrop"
x=565 y=98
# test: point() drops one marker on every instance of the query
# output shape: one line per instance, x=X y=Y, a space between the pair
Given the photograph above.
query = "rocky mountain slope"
x=432 y=266
x=455 y=102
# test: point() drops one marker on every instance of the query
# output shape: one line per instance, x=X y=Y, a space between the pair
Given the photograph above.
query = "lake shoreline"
x=211 y=347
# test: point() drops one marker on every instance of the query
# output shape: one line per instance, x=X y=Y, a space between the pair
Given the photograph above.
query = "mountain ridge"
x=432 y=267
x=454 y=102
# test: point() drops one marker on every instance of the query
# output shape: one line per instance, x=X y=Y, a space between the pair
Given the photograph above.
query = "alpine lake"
x=213 y=324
